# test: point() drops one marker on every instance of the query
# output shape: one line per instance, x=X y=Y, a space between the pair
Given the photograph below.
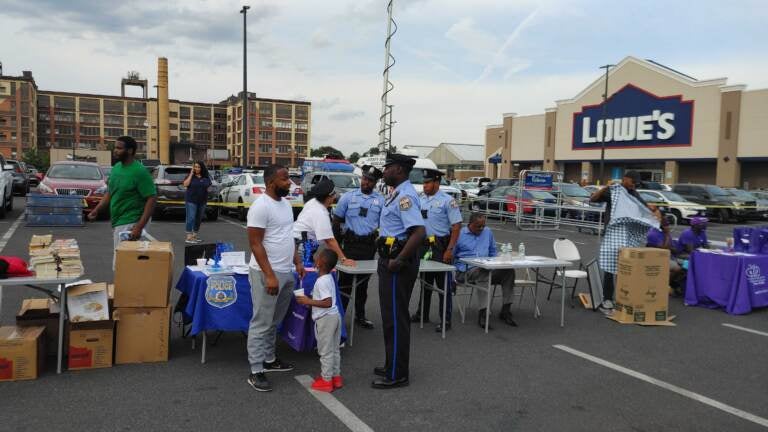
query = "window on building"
x=63 y=142
x=43 y=101
x=202 y=113
x=173 y=126
x=184 y=125
x=301 y=138
x=265 y=109
x=283 y=136
x=89 y=118
x=65 y=130
x=184 y=137
x=137 y=133
x=90 y=130
x=64 y=117
x=265 y=148
x=302 y=112
x=283 y=149
x=283 y=124
x=302 y=126
x=173 y=114
x=283 y=111
x=64 y=103
x=264 y=160
x=184 y=112
x=113 y=106
x=265 y=135
x=136 y=121
x=135 y=107
x=265 y=124
x=24 y=90
x=199 y=136
x=113 y=120
x=13 y=136
x=202 y=125
x=219 y=114
x=113 y=132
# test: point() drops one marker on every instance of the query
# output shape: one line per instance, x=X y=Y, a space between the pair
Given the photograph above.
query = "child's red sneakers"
x=322 y=385
x=338 y=382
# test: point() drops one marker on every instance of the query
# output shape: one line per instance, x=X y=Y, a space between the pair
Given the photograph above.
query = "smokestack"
x=162 y=106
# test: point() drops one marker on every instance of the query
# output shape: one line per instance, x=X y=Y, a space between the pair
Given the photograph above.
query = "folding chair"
x=530 y=283
x=566 y=250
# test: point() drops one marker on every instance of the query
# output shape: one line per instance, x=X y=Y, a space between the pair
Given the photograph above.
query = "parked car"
x=650 y=185
x=724 y=206
x=20 y=177
x=343 y=182
x=591 y=188
x=760 y=211
x=34 y=176
x=478 y=181
x=504 y=199
x=493 y=184
x=107 y=170
x=682 y=209
x=6 y=188
x=575 y=198
x=245 y=188
x=169 y=181
x=75 y=178
x=471 y=189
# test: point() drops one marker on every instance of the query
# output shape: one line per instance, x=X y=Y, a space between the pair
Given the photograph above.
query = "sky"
x=460 y=64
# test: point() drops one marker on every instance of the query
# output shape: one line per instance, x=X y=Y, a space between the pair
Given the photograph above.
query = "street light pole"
x=244 y=11
x=605 y=125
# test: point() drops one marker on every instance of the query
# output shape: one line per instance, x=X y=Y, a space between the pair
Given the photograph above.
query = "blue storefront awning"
x=495 y=159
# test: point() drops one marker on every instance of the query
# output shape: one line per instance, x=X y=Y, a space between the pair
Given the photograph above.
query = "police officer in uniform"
x=442 y=219
x=401 y=232
x=360 y=211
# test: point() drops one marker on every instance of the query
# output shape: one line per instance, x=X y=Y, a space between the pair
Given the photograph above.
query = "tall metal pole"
x=387 y=86
x=605 y=123
x=245 y=152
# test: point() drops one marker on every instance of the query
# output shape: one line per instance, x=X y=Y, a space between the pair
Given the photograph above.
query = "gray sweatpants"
x=505 y=278
x=328 y=335
x=268 y=311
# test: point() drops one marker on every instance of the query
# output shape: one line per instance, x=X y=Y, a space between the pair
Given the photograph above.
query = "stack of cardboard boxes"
x=143 y=276
x=90 y=331
x=642 y=287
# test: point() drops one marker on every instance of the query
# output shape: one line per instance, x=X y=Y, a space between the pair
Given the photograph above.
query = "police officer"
x=360 y=211
x=401 y=232
x=442 y=219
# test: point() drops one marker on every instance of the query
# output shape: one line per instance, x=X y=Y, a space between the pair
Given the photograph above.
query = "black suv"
x=20 y=177
x=493 y=184
x=724 y=205
x=168 y=181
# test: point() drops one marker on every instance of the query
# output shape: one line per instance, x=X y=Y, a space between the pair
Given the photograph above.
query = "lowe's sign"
x=635 y=118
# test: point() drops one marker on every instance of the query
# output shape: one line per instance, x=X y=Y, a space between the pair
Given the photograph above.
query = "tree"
x=327 y=151
x=371 y=151
x=39 y=160
x=354 y=157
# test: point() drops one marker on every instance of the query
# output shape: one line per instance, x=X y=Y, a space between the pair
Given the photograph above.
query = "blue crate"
x=55 y=200
x=69 y=220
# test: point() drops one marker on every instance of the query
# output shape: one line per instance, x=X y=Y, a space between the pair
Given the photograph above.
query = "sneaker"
x=606 y=307
x=277 y=366
x=322 y=385
x=259 y=382
x=338 y=382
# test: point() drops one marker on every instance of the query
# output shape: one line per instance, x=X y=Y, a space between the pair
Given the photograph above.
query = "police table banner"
x=635 y=118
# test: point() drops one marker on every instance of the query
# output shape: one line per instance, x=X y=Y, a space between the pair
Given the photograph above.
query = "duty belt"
x=389 y=247
x=351 y=237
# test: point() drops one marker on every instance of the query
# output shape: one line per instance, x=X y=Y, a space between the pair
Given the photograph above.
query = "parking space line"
x=8 y=234
x=334 y=406
x=667 y=386
x=234 y=223
x=745 y=329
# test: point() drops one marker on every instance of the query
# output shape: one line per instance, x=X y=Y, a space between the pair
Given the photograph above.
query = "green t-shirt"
x=129 y=187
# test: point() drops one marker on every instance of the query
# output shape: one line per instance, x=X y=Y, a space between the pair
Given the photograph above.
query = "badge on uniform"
x=453 y=203
x=405 y=203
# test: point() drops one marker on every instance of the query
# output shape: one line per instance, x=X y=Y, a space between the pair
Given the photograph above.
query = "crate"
x=54 y=210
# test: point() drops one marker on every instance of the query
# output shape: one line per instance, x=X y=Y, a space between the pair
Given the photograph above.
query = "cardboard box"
x=21 y=352
x=142 y=334
x=642 y=286
x=143 y=274
x=41 y=312
x=90 y=345
x=89 y=302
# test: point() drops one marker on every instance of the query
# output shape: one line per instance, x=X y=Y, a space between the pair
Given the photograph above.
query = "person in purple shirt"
x=662 y=239
x=694 y=237
x=475 y=240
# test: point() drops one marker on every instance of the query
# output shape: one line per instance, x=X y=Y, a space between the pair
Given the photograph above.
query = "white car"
x=470 y=188
x=6 y=187
x=682 y=209
x=245 y=188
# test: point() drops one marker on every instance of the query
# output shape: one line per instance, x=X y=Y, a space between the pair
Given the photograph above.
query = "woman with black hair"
x=197 y=183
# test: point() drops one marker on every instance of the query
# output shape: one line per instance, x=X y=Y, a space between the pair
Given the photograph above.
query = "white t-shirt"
x=276 y=217
x=324 y=288
x=315 y=220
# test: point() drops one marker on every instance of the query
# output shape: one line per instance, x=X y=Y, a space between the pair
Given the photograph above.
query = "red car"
x=75 y=178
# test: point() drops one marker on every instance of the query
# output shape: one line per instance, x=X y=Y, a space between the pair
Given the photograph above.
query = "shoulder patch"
x=454 y=204
x=405 y=203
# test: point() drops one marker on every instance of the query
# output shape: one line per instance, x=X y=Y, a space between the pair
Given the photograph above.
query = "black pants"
x=357 y=251
x=608 y=286
x=435 y=279
x=394 y=295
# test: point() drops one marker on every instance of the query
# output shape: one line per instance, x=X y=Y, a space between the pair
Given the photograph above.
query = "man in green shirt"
x=131 y=196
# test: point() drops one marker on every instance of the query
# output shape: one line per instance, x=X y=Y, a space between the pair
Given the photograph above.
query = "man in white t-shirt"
x=315 y=221
x=270 y=235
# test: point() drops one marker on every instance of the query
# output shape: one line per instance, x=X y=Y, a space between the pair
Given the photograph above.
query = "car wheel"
x=25 y=191
x=3 y=207
x=242 y=212
x=9 y=205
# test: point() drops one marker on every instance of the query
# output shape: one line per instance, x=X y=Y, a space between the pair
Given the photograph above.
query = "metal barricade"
x=538 y=200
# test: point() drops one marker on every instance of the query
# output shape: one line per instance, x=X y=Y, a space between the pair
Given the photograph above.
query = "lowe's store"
x=670 y=127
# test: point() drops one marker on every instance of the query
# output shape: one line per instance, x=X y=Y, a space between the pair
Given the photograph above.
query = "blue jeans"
x=194 y=216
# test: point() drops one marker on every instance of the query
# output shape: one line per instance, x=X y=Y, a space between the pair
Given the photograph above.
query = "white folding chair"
x=566 y=250
x=529 y=283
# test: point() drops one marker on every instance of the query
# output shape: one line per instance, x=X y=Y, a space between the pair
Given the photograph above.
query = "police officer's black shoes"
x=364 y=323
x=417 y=318
x=380 y=371
x=506 y=315
x=439 y=328
x=481 y=319
x=386 y=383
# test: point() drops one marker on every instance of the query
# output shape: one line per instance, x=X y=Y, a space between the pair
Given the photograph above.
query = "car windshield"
x=75 y=172
x=649 y=197
x=717 y=191
x=106 y=170
x=540 y=195
x=741 y=194
x=416 y=176
x=177 y=173
x=672 y=196
x=345 y=181
x=257 y=179
x=573 y=190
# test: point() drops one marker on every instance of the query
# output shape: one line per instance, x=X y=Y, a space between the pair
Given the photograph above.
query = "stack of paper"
x=61 y=259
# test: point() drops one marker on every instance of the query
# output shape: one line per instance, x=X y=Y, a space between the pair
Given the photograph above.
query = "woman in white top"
x=315 y=220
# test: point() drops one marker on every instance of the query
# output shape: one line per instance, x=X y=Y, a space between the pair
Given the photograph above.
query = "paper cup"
x=299 y=292
x=201 y=262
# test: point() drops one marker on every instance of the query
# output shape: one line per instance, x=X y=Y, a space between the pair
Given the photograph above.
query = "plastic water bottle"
x=521 y=250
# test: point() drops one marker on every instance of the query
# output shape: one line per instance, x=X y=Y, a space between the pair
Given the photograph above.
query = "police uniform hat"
x=399 y=159
x=323 y=188
x=430 y=174
x=372 y=172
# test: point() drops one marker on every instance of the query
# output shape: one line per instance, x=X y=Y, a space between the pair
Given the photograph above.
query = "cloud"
x=346 y=115
x=500 y=58
x=321 y=39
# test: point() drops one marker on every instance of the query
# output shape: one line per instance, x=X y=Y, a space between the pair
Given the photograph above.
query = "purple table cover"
x=737 y=283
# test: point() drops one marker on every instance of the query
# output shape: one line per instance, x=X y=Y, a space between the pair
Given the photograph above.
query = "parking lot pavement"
x=510 y=379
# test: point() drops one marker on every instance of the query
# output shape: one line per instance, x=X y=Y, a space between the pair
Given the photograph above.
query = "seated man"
x=694 y=237
x=662 y=239
x=475 y=240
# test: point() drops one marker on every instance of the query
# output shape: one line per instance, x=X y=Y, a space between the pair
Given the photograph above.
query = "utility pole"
x=385 y=126
x=605 y=125
x=244 y=11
